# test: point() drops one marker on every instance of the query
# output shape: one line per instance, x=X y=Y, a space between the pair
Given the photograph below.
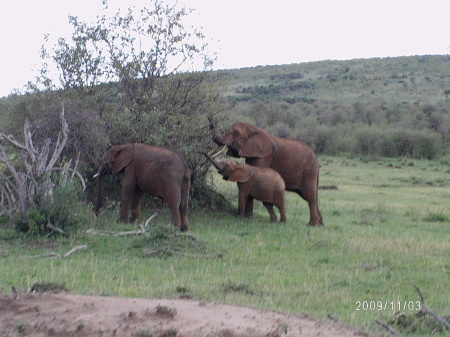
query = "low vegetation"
x=380 y=239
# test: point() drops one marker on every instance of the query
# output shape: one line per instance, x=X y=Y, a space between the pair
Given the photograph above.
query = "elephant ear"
x=258 y=145
x=241 y=175
x=120 y=156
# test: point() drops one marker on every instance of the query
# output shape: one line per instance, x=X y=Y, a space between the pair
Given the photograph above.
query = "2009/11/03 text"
x=387 y=305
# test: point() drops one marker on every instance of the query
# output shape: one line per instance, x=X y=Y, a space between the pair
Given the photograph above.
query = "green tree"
x=137 y=72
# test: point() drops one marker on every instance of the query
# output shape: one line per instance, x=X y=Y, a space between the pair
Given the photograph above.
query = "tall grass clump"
x=439 y=216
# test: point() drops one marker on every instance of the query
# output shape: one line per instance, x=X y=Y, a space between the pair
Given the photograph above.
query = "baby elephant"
x=253 y=182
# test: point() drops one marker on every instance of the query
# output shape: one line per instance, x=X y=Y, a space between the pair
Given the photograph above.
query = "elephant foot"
x=315 y=224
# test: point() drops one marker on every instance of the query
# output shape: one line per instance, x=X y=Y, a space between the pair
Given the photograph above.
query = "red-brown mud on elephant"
x=69 y=315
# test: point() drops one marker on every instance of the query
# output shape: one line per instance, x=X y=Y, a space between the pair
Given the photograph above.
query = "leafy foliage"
x=126 y=78
x=141 y=53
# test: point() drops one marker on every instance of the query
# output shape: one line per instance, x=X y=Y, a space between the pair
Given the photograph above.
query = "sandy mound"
x=43 y=315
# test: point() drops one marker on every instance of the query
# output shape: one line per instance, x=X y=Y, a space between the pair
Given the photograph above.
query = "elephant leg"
x=184 y=206
x=249 y=207
x=282 y=213
x=175 y=216
x=128 y=196
x=315 y=215
x=125 y=204
x=242 y=202
x=310 y=195
x=136 y=206
x=174 y=201
x=273 y=216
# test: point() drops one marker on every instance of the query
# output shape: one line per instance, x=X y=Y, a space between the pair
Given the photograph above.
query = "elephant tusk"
x=96 y=175
x=218 y=152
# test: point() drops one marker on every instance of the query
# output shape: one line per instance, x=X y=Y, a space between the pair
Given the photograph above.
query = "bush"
x=325 y=139
x=368 y=141
x=410 y=143
x=65 y=211
x=397 y=143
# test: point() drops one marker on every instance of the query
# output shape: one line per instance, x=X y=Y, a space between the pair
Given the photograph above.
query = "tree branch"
x=60 y=143
x=430 y=312
x=30 y=180
x=56 y=255
x=388 y=328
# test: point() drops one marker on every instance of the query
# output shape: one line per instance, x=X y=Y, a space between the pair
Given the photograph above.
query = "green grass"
x=386 y=229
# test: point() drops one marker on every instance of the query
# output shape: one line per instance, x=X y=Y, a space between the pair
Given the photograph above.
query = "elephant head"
x=245 y=140
x=116 y=159
x=231 y=170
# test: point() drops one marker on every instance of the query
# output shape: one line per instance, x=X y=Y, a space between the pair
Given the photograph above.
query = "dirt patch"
x=68 y=315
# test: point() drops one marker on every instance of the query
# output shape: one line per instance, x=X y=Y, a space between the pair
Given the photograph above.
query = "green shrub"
x=65 y=211
x=367 y=141
x=410 y=143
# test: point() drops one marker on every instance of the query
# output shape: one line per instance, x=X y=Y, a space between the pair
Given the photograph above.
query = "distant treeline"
x=375 y=107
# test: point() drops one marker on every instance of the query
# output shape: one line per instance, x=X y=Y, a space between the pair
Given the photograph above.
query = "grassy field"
x=387 y=228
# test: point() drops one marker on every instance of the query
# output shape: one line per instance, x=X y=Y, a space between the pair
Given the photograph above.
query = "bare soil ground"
x=69 y=315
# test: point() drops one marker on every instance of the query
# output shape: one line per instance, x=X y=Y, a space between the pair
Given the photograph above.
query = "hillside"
x=417 y=79
x=332 y=104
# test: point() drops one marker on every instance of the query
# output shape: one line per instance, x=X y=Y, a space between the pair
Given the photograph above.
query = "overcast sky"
x=248 y=33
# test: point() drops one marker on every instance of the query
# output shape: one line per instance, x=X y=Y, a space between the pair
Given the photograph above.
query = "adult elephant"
x=292 y=159
x=158 y=171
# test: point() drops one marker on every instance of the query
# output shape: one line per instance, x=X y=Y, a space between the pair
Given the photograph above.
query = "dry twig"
x=388 y=328
x=76 y=249
x=56 y=229
x=141 y=231
x=56 y=255
x=430 y=312
x=172 y=252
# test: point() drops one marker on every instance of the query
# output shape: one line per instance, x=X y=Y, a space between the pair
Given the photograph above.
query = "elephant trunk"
x=217 y=165
x=100 y=175
x=212 y=131
x=216 y=139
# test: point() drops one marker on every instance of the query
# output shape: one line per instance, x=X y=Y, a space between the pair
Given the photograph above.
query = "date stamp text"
x=388 y=306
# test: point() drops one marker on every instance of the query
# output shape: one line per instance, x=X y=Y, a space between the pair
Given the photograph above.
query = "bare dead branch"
x=56 y=229
x=11 y=140
x=51 y=254
x=73 y=172
x=141 y=231
x=26 y=176
x=430 y=312
x=150 y=219
x=61 y=141
x=387 y=328
x=75 y=249
x=172 y=252
x=56 y=255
